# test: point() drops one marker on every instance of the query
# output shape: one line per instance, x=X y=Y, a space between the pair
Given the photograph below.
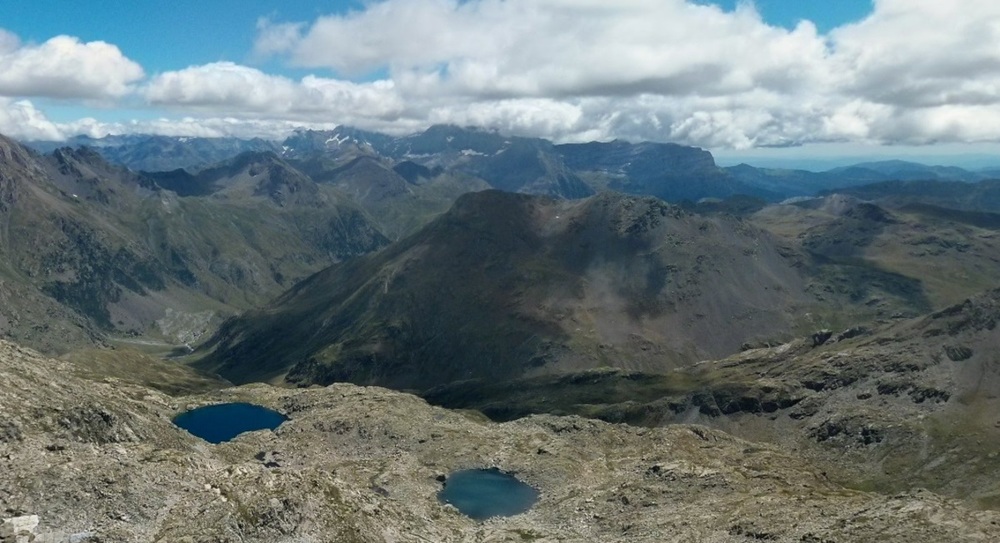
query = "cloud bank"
x=912 y=72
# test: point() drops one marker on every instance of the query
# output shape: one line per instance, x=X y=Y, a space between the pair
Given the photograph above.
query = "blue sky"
x=889 y=77
x=161 y=35
x=825 y=14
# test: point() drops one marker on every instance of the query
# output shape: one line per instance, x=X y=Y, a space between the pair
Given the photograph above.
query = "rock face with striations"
x=359 y=464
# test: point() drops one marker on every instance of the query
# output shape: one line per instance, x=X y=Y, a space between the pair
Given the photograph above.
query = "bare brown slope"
x=505 y=285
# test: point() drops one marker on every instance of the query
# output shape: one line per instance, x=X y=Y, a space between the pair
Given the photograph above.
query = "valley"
x=716 y=350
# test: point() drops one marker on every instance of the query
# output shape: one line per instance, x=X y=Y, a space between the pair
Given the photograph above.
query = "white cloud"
x=584 y=69
x=224 y=87
x=926 y=71
x=21 y=120
x=517 y=48
x=202 y=127
x=914 y=71
x=274 y=38
x=64 y=67
x=923 y=53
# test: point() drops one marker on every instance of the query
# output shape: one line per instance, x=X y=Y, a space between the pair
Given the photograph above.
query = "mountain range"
x=520 y=164
x=123 y=237
x=804 y=356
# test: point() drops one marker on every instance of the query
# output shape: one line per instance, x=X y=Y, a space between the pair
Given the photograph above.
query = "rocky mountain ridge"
x=533 y=165
x=160 y=153
x=517 y=164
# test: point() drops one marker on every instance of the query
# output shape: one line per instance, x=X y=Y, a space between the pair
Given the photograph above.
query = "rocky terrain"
x=888 y=407
x=99 y=460
x=516 y=164
x=669 y=171
x=892 y=260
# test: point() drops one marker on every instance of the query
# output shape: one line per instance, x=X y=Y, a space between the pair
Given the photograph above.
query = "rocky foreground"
x=101 y=461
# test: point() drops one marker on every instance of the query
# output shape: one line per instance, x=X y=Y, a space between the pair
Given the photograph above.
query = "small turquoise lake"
x=484 y=493
x=222 y=422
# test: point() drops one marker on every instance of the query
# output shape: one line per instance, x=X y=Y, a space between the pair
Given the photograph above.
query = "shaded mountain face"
x=671 y=172
x=90 y=249
x=513 y=164
x=505 y=285
x=399 y=198
x=252 y=174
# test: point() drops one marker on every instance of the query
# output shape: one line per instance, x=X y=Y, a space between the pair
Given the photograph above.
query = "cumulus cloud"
x=195 y=127
x=560 y=48
x=64 y=67
x=912 y=71
x=228 y=88
x=929 y=71
x=923 y=53
x=21 y=120
x=587 y=69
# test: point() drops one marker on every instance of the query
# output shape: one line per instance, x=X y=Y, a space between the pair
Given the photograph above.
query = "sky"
x=771 y=80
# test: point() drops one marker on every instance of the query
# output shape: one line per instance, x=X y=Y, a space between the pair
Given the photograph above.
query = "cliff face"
x=100 y=460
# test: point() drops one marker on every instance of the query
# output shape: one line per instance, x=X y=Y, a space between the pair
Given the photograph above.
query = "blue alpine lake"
x=222 y=422
x=484 y=493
